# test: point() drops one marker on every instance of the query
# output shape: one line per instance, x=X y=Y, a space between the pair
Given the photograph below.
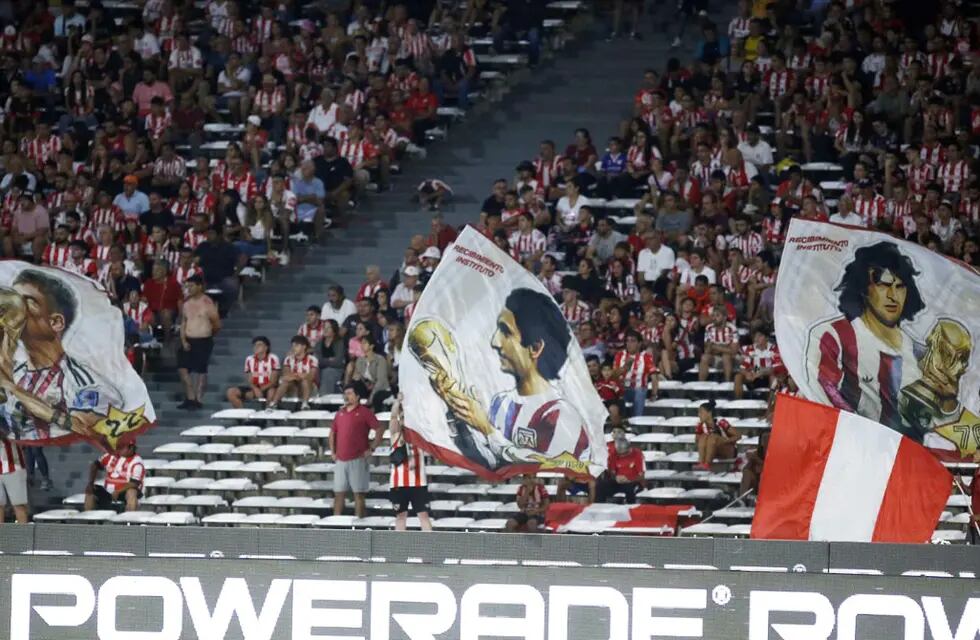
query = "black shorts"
x=418 y=497
x=195 y=359
x=761 y=382
x=103 y=499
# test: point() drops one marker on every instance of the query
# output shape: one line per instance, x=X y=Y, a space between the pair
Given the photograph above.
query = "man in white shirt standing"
x=756 y=150
x=655 y=263
x=337 y=307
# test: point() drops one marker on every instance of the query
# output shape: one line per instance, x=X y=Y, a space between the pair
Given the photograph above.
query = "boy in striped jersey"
x=408 y=482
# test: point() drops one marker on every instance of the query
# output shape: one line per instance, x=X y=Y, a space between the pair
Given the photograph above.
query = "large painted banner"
x=883 y=328
x=496 y=381
x=64 y=375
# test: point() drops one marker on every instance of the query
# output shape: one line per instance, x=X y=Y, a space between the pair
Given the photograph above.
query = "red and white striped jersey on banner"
x=120 y=470
x=302 y=365
x=260 y=370
x=637 y=376
x=314 y=334
x=577 y=313
x=919 y=177
x=527 y=244
x=835 y=476
x=410 y=473
x=56 y=256
x=725 y=334
x=954 y=175
x=754 y=358
x=11 y=457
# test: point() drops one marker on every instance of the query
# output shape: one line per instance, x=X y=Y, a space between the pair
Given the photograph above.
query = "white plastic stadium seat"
x=134 y=517
x=55 y=515
x=203 y=431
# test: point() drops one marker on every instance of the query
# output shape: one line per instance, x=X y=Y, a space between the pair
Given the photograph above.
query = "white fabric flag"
x=883 y=328
x=64 y=375
x=493 y=378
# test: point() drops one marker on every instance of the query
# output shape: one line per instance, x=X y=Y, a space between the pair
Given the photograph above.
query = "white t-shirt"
x=758 y=155
x=322 y=118
x=346 y=309
x=852 y=219
x=567 y=212
x=689 y=275
x=652 y=265
x=242 y=74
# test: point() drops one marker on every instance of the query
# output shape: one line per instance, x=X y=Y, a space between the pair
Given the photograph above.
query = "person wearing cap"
x=402 y=296
x=30 y=228
x=124 y=475
x=132 y=202
x=625 y=470
x=199 y=323
x=430 y=260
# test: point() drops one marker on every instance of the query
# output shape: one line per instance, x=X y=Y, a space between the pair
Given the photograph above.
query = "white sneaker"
x=305 y=406
x=284 y=259
x=676 y=43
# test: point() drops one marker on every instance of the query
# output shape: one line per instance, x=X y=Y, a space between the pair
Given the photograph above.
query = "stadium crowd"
x=661 y=243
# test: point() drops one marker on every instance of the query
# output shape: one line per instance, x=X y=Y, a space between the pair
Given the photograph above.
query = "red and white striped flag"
x=568 y=517
x=833 y=475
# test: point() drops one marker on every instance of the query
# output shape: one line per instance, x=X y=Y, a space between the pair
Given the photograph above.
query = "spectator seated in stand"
x=533 y=501
x=124 y=474
x=299 y=374
x=261 y=375
x=624 y=471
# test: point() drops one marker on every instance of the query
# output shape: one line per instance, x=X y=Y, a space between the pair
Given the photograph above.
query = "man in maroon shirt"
x=625 y=471
x=163 y=295
x=351 y=446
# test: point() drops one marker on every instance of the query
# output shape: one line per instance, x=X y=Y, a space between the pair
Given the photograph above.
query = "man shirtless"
x=199 y=322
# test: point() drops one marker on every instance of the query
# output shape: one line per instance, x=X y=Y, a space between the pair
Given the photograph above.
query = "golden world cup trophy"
x=434 y=347
x=13 y=316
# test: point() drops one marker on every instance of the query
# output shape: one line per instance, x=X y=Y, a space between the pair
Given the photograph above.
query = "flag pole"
x=738 y=499
x=973 y=517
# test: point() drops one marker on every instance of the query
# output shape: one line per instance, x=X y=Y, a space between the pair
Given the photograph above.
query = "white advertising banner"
x=64 y=375
x=493 y=378
x=883 y=328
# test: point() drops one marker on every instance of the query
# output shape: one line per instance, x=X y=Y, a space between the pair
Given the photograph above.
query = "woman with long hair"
x=256 y=236
x=332 y=358
x=715 y=437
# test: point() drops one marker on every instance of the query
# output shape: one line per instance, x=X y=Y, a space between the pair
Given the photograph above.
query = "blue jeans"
x=638 y=396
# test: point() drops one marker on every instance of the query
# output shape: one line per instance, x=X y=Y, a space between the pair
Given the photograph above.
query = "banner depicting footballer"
x=493 y=379
x=883 y=328
x=64 y=375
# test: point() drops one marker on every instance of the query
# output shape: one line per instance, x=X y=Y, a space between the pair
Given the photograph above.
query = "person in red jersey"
x=625 y=471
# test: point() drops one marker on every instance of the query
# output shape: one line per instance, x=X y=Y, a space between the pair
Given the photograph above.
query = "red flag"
x=833 y=475
x=579 y=518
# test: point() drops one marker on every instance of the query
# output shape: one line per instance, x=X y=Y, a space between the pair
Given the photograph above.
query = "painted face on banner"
x=886 y=296
x=42 y=326
x=515 y=358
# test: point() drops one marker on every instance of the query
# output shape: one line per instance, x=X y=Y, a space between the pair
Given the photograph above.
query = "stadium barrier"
x=158 y=583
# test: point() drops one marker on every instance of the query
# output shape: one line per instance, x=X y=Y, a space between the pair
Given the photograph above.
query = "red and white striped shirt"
x=120 y=470
x=527 y=244
x=725 y=334
x=731 y=281
x=639 y=371
x=873 y=210
x=193 y=238
x=357 y=153
x=354 y=100
x=937 y=64
x=260 y=370
x=183 y=273
x=817 y=87
x=303 y=365
x=954 y=175
x=157 y=125
x=183 y=210
x=934 y=154
x=188 y=59
x=56 y=256
x=40 y=151
x=244 y=184
x=110 y=216
x=576 y=314
x=738 y=28
x=546 y=172
x=262 y=27
x=173 y=168
x=11 y=457
x=919 y=177
x=778 y=83
x=684 y=341
x=750 y=243
x=754 y=358
x=314 y=334
x=139 y=313
x=267 y=103
x=970 y=209
x=410 y=473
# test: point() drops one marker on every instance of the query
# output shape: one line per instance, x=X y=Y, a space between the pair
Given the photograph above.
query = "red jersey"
x=120 y=470
x=609 y=390
x=630 y=464
x=754 y=358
